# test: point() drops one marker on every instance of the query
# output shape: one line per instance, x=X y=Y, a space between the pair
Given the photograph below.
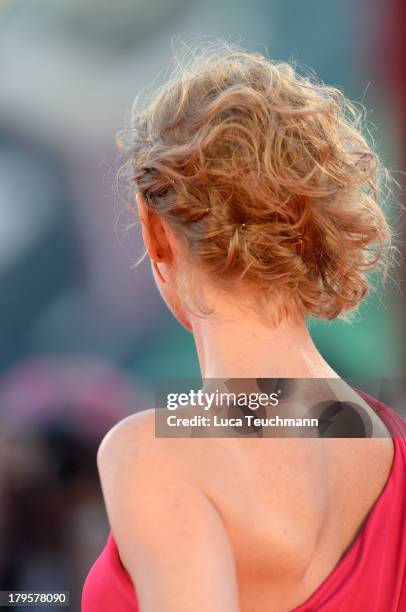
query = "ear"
x=154 y=233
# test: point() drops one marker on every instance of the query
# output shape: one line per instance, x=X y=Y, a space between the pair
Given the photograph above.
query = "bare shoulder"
x=153 y=505
x=130 y=453
x=132 y=456
x=133 y=443
x=137 y=471
x=126 y=437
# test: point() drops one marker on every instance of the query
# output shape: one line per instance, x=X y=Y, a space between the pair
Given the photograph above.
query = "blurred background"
x=83 y=334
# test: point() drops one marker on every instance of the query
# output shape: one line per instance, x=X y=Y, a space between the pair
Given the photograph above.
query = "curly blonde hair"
x=265 y=177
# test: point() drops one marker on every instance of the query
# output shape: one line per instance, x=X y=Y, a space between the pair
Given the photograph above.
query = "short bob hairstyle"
x=266 y=178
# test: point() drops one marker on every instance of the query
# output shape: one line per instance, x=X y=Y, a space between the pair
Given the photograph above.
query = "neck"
x=240 y=344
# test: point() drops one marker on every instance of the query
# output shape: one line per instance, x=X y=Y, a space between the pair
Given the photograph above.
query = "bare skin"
x=235 y=524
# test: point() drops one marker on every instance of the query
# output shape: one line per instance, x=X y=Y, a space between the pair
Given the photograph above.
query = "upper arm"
x=171 y=538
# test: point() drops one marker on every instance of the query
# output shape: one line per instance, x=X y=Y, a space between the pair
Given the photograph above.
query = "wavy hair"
x=265 y=176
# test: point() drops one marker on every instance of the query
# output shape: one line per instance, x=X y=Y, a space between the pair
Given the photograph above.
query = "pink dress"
x=371 y=577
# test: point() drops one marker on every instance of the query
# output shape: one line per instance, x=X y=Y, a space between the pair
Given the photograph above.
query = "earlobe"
x=158 y=271
x=154 y=232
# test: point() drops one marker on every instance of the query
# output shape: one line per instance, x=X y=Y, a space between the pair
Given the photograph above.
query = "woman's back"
x=297 y=510
x=292 y=507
